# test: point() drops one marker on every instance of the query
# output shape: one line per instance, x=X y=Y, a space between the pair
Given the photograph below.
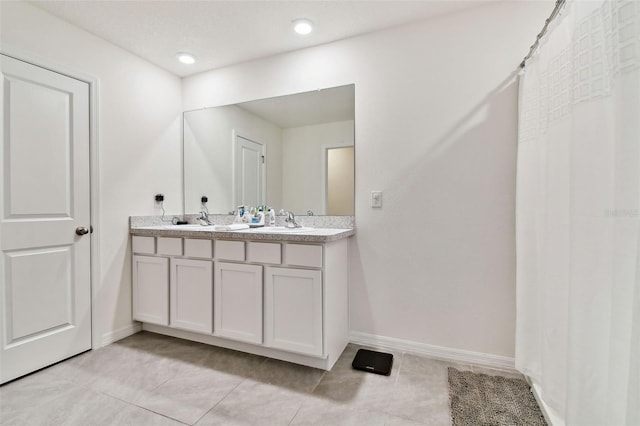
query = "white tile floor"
x=149 y=379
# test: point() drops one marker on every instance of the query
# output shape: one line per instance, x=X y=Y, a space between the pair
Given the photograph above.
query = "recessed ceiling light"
x=186 y=58
x=302 y=26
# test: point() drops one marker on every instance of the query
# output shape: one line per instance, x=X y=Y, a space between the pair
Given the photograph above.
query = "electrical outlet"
x=376 y=199
x=204 y=199
x=159 y=198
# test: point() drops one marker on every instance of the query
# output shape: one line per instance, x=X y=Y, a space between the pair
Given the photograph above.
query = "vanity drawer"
x=229 y=250
x=264 y=253
x=146 y=245
x=198 y=248
x=170 y=246
x=303 y=255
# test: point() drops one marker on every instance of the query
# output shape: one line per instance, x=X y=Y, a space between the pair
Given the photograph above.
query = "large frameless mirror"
x=293 y=152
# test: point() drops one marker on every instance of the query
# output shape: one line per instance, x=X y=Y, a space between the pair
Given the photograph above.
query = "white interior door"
x=249 y=170
x=45 y=288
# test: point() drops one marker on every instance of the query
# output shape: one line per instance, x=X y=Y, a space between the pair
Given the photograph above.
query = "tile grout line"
x=402 y=354
x=130 y=403
x=294 y=416
x=318 y=382
x=310 y=393
x=225 y=397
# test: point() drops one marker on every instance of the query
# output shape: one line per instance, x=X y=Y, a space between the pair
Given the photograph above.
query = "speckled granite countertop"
x=314 y=235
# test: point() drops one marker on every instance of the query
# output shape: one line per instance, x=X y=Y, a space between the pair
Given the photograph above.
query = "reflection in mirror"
x=339 y=168
x=293 y=152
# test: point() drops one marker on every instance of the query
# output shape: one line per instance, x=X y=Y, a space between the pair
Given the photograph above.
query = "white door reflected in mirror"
x=249 y=166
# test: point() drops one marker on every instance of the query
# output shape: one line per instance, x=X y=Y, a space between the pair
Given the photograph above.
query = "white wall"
x=302 y=163
x=139 y=137
x=436 y=132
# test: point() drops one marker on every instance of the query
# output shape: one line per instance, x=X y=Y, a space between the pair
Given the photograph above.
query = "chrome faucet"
x=204 y=219
x=290 y=220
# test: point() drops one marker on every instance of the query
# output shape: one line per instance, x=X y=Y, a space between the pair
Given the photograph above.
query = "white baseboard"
x=121 y=333
x=382 y=342
x=447 y=354
x=549 y=414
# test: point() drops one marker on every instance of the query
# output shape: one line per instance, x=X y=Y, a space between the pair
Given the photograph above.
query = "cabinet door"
x=151 y=289
x=238 y=301
x=192 y=295
x=293 y=310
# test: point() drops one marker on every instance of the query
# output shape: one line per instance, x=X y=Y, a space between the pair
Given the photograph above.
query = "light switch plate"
x=376 y=199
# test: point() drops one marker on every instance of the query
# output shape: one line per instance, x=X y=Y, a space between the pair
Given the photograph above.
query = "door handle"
x=81 y=230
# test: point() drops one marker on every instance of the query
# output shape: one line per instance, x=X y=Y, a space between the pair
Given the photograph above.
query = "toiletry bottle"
x=258 y=217
x=272 y=218
x=239 y=214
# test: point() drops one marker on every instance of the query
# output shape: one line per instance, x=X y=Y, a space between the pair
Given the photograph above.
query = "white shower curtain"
x=578 y=214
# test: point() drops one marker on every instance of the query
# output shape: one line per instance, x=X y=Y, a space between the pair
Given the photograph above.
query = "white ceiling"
x=222 y=33
x=305 y=109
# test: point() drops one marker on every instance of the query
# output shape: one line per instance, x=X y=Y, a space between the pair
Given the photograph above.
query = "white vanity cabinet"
x=191 y=295
x=151 y=289
x=238 y=301
x=172 y=291
x=277 y=297
x=293 y=310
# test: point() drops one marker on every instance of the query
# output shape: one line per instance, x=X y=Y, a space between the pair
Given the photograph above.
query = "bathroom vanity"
x=277 y=293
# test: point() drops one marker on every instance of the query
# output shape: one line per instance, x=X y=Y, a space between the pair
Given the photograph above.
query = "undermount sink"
x=189 y=226
x=261 y=230
x=281 y=230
